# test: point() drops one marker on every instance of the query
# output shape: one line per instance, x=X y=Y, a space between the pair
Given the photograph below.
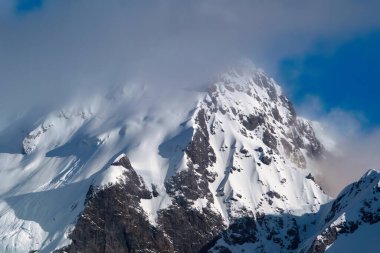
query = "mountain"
x=153 y=169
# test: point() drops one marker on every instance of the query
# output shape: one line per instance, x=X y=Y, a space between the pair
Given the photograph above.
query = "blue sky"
x=343 y=75
x=24 y=6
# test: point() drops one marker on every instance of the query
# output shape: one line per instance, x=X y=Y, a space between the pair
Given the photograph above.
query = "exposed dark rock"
x=293 y=236
x=113 y=220
x=251 y=122
x=89 y=194
x=154 y=191
x=222 y=110
x=189 y=183
x=287 y=147
x=309 y=176
x=188 y=228
x=269 y=140
x=242 y=230
x=259 y=149
x=193 y=182
x=188 y=186
x=123 y=161
x=330 y=234
x=273 y=194
x=265 y=159
x=200 y=151
x=276 y=114
x=243 y=151
x=370 y=217
x=229 y=87
x=233 y=110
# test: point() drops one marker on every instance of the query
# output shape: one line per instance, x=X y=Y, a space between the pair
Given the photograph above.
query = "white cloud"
x=51 y=52
x=351 y=149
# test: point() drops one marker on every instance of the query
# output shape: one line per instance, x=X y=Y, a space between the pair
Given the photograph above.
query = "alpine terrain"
x=150 y=169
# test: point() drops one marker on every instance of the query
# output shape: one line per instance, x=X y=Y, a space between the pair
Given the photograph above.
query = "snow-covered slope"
x=354 y=215
x=184 y=170
x=47 y=165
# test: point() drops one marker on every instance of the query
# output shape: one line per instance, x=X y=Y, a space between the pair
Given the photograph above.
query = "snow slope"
x=46 y=171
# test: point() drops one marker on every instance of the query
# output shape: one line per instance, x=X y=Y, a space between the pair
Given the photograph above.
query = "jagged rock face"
x=113 y=220
x=193 y=182
x=190 y=229
x=271 y=116
x=283 y=233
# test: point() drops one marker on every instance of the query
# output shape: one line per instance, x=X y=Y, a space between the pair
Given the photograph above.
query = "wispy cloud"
x=351 y=148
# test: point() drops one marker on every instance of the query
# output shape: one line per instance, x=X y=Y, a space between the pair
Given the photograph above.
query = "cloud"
x=71 y=48
x=351 y=149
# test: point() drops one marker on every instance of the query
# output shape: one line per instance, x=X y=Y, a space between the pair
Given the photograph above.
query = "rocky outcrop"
x=113 y=220
x=251 y=122
x=188 y=228
x=281 y=233
x=330 y=235
x=193 y=182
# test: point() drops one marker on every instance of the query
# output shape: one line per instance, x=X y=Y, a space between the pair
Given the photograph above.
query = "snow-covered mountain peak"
x=372 y=173
x=264 y=113
x=354 y=195
x=228 y=166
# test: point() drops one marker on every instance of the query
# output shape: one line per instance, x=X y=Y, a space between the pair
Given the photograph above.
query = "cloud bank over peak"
x=68 y=47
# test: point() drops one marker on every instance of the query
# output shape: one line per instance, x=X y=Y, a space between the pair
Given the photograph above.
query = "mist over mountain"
x=129 y=126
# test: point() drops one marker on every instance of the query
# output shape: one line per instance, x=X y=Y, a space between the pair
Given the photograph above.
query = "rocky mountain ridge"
x=227 y=171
